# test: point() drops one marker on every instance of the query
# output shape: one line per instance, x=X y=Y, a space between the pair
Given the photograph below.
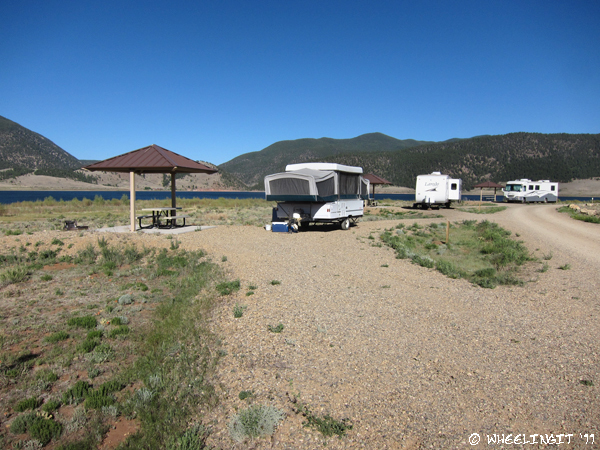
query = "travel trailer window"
x=454 y=186
x=537 y=187
x=531 y=187
x=552 y=188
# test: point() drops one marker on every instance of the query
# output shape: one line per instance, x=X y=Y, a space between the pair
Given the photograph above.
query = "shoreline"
x=575 y=188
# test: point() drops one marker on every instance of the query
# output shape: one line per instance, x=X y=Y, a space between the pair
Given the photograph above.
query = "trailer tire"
x=345 y=224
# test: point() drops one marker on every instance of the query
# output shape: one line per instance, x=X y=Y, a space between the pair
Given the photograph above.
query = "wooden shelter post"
x=132 y=200
x=173 y=189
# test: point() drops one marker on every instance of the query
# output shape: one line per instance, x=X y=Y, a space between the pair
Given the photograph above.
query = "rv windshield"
x=513 y=187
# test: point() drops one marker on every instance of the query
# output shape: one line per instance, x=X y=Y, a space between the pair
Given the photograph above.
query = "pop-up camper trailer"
x=527 y=191
x=317 y=192
x=436 y=189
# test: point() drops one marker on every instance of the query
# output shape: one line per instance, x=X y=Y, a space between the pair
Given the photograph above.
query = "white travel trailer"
x=317 y=192
x=527 y=191
x=436 y=189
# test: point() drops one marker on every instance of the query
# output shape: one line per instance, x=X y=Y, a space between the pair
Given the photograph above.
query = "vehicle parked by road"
x=527 y=191
x=436 y=189
x=316 y=192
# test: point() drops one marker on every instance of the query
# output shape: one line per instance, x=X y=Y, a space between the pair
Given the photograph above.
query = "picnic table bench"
x=162 y=218
x=172 y=220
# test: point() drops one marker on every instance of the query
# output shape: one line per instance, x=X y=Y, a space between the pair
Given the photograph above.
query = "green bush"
x=256 y=421
x=88 y=345
x=14 y=275
x=121 y=330
x=22 y=423
x=277 y=329
x=44 y=430
x=51 y=405
x=83 y=322
x=56 y=337
x=46 y=375
x=96 y=400
x=29 y=403
x=228 y=287
x=40 y=428
x=77 y=393
x=238 y=311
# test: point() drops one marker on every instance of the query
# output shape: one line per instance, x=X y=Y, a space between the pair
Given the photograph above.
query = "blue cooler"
x=279 y=227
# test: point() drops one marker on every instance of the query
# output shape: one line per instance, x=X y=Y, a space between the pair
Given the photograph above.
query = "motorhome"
x=436 y=189
x=527 y=191
x=317 y=192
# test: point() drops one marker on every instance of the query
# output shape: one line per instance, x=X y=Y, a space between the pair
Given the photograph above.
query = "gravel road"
x=411 y=358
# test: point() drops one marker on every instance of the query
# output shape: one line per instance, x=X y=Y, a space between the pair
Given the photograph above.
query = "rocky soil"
x=410 y=358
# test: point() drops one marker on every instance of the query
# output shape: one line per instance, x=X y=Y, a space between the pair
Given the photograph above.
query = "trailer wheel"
x=345 y=224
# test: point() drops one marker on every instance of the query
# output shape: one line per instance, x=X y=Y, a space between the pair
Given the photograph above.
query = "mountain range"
x=559 y=157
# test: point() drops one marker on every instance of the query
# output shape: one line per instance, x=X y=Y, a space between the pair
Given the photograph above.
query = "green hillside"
x=558 y=157
x=251 y=168
x=21 y=148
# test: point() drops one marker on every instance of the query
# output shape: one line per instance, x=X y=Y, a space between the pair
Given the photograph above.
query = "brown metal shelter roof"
x=151 y=159
x=374 y=179
x=488 y=184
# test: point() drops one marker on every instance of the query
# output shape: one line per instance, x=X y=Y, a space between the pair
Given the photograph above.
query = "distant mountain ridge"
x=252 y=167
x=23 y=148
x=559 y=157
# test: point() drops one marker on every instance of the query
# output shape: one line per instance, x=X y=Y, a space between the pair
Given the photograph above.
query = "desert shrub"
x=87 y=256
x=194 y=438
x=51 y=405
x=44 y=430
x=95 y=334
x=96 y=400
x=88 y=345
x=228 y=287
x=13 y=275
x=46 y=375
x=40 y=428
x=56 y=337
x=448 y=269
x=119 y=331
x=83 y=322
x=277 y=329
x=22 y=423
x=77 y=393
x=326 y=425
x=238 y=311
x=29 y=403
x=255 y=421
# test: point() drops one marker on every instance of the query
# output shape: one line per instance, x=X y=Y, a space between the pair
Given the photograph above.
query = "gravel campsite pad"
x=410 y=358
x=403 y=356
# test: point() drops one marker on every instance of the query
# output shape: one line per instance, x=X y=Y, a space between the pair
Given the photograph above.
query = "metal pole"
x=173 y=197
x=132 y=200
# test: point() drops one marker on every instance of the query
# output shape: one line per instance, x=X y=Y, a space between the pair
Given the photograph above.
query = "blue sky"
x=215 y=79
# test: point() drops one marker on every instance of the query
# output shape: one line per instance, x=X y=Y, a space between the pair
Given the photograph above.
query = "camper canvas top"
x=323 y=166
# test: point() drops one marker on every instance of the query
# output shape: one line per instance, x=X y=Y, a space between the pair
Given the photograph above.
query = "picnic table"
x=162 y=217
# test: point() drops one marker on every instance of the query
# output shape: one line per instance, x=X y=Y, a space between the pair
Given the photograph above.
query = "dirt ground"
x=410 y=358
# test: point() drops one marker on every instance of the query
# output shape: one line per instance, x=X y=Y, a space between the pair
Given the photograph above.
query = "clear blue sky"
x=215 y=79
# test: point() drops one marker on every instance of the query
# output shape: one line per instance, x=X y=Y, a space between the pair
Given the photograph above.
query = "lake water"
x=32 y=196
